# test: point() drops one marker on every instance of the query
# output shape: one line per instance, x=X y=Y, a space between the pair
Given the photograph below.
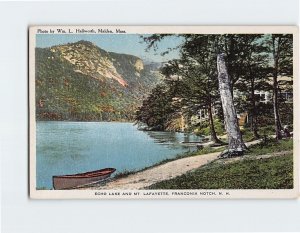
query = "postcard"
x=163 y=112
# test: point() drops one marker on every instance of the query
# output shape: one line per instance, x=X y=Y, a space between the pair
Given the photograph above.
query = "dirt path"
x=158 y=173
x=153 y=175
x=252 y=157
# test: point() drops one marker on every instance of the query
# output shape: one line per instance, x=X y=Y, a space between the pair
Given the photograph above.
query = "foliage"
x=63 y=93
x=281 y=47
x=156 y=109
x=247 y=134
x=203 y=128
x=192 y=78
x=286 y=113
x=254 y=78
x=251 y=60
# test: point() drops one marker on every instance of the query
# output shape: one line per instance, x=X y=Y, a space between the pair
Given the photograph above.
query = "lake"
x=75 y=147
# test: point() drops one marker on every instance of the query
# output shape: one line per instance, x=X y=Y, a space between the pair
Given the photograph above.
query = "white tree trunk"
x=235 y=141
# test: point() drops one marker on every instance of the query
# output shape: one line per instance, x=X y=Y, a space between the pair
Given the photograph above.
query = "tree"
x=247 y=67
x=253 y=78
x=199 y=54
x=236 y=145
x=281 y=47
x=196 y=75
x=194 y=90
x=156 y=110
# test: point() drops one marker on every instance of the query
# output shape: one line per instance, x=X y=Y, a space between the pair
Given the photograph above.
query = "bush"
x=204 y=129
x=247 y=134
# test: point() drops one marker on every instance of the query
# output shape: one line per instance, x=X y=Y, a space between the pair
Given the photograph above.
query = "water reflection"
x=174 y=139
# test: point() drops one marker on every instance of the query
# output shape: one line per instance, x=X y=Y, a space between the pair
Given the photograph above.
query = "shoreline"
x=73 y=121
x=166 y=170
x=144 y=178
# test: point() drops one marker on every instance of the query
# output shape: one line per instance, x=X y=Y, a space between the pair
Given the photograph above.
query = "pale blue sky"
x=119 y=43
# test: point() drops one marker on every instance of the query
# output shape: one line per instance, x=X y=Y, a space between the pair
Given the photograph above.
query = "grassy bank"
x=270 y=173
x=271 y=146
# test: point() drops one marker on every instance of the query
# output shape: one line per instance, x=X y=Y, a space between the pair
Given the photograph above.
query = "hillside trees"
x=196 y=72
x=65 y=93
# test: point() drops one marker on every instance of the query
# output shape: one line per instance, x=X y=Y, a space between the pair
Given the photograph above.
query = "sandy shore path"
x=153 y=175
x=158 y=173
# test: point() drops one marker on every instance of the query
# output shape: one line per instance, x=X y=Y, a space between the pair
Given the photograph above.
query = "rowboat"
x=81 y=179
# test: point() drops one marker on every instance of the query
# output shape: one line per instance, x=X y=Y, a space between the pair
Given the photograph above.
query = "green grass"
x=271 y=173
x=247 y=135
x=264 y=130
x=271 y=146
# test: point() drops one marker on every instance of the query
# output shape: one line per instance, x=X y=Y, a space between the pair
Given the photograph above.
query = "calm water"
x=75 y=147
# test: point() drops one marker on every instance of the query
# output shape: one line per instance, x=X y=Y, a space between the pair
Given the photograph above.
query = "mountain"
x=82 y=82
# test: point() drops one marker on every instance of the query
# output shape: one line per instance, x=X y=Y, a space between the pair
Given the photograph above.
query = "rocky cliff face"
x=80 y=81
x=90 y=60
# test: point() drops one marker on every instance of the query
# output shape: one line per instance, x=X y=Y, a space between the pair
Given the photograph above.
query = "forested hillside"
x=82 y=82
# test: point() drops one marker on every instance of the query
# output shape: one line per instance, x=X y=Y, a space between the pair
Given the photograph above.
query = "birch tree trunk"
x=236 y=145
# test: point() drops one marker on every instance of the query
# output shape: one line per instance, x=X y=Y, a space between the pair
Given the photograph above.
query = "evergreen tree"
x=281 y=48
x=156 y=109
x=196 y=77
x=254 y=77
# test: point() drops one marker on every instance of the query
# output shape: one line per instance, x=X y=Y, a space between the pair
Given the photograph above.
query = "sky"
x=120 y=43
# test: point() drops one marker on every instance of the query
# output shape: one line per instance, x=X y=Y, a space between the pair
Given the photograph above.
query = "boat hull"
x=81 y=179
